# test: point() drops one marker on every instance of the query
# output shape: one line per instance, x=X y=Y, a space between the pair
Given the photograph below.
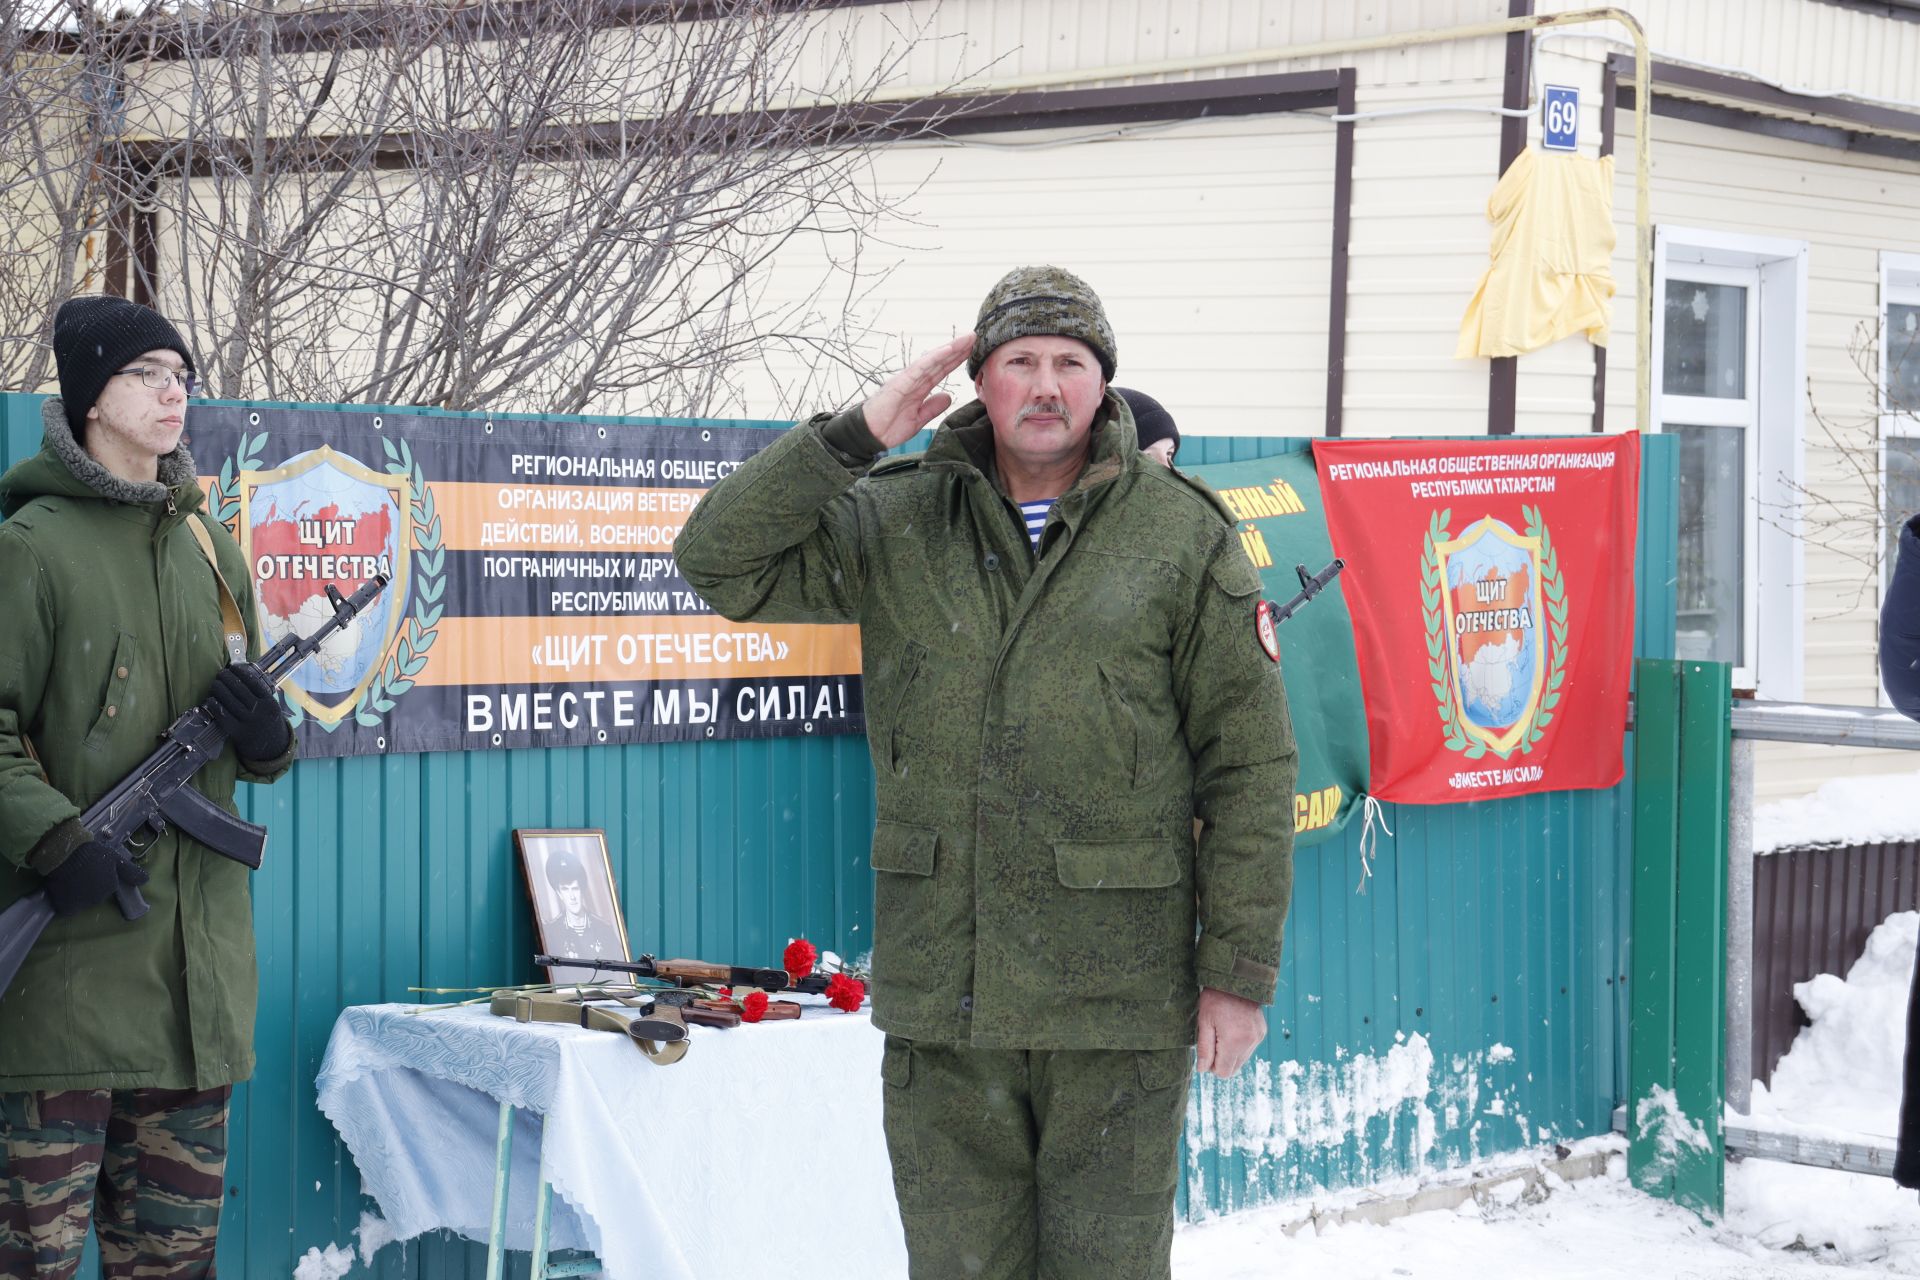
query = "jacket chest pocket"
x=899 y=702
x=114 y=703
x=1125 y=722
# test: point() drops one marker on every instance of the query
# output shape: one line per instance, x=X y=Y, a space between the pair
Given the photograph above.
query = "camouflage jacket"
x=1044 y=728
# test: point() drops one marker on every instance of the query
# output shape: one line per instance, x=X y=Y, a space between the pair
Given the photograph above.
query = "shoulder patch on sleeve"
x=1232 y=572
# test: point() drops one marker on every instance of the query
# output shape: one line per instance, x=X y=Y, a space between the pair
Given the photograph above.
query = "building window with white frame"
x=1729 y=370
x=1708 y=400
x=1899 y=395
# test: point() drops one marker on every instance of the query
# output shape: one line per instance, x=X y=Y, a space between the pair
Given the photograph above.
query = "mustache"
x=1056 y=408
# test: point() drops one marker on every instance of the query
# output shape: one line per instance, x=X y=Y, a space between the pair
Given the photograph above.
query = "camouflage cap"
x=1042 y=300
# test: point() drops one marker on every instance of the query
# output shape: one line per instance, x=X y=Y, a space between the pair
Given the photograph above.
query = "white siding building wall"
x=1217 y=273
x=1209 y=243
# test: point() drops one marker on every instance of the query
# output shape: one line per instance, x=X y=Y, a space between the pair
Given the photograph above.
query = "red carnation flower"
x=754 y=1007
x=726 y=993
x=799 y=958
x=846 y=994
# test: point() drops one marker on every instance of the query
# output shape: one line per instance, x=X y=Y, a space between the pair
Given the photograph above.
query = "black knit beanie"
x=94 y=337
x=1151 y=421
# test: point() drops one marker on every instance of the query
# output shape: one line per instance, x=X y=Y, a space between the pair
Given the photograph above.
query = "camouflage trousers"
x=1058 y=1164
x=147 y=1166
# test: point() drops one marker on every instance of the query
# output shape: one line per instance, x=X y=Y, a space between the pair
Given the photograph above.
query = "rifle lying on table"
x=157 y=793
x=696 y=973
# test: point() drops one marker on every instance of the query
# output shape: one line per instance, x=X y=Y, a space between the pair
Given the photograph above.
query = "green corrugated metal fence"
x=1499 y=923
x=1495 y=931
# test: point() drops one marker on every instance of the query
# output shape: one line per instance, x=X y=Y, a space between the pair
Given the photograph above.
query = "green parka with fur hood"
x=109 y=630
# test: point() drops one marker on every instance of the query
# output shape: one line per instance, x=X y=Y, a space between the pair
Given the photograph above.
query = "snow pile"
x=1843 y=1072
x=332 y=1264
x=1876 y=809
x=336 y=1261
x=1840 y=1079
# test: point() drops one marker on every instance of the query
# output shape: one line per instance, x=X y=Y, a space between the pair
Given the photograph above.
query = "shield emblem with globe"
x=324 y=518
x=1496 y=648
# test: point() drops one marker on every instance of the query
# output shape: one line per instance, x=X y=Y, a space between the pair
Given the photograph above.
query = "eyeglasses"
x=157 y=377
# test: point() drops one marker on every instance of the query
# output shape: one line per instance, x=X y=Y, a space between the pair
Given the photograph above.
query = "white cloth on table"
x=759 y=1154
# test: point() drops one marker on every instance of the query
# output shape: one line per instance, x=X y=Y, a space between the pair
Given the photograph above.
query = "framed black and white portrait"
x=576 y=907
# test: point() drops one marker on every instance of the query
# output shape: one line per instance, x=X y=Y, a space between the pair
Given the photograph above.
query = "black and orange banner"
x=1491 y=588
x=533 y=600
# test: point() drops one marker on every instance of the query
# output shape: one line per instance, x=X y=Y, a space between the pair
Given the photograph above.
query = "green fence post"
x=1677 y=1052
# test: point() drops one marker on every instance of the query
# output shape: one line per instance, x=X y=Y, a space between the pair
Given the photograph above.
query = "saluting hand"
x=906 y=402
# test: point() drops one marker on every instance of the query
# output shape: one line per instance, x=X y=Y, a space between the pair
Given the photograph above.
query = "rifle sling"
x=524 y=1006
x=232 y=630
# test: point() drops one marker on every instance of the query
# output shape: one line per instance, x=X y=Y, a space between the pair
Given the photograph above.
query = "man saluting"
x=1061 y=672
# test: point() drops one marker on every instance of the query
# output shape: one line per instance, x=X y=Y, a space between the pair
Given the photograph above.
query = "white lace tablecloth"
x=759 y=1154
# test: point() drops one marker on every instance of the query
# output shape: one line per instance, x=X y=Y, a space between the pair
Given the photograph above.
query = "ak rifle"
x=1311 y=585
x=694 y=973
x=141 y=806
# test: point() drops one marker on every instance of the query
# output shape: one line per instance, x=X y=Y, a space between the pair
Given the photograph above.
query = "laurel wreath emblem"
x=429 y=566
x=429 y=563
x=1553 y=591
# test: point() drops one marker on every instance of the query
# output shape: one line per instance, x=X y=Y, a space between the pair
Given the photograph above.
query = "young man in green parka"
x=1064 y=664
x=120 y=1041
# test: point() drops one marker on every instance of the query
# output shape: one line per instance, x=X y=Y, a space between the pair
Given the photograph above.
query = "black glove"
x=90 y=875
x=244 y=704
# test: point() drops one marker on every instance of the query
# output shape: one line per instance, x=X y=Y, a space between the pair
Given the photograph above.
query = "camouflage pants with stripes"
x=146 y=1166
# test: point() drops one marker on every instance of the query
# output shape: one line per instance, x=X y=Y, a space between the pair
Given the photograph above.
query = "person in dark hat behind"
x=1062 y=671
x=1152 y=426
x=120 y=1041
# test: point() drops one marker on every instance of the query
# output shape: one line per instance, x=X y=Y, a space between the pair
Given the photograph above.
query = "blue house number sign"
x=1560 y=118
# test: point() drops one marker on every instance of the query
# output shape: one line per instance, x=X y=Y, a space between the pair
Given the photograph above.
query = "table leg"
x=502 y=1166
x=542 y=1212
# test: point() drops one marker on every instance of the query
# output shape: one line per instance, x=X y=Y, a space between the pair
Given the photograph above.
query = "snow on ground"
x=1878 y=808
x=1587 y=1230
x=1783 y=1222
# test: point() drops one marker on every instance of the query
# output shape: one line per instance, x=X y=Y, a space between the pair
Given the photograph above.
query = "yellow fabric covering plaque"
x=1551 y=273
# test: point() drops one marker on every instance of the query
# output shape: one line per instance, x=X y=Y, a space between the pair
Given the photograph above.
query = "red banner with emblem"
x=1491 y=588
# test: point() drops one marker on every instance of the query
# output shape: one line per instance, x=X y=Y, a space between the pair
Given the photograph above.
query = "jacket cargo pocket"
x=113 y=703
x=1122 y=922
x=904 y=920
x=896 y=1120
x=904 y=849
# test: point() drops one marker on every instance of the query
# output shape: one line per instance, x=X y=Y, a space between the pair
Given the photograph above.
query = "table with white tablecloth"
x=759 y=1154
